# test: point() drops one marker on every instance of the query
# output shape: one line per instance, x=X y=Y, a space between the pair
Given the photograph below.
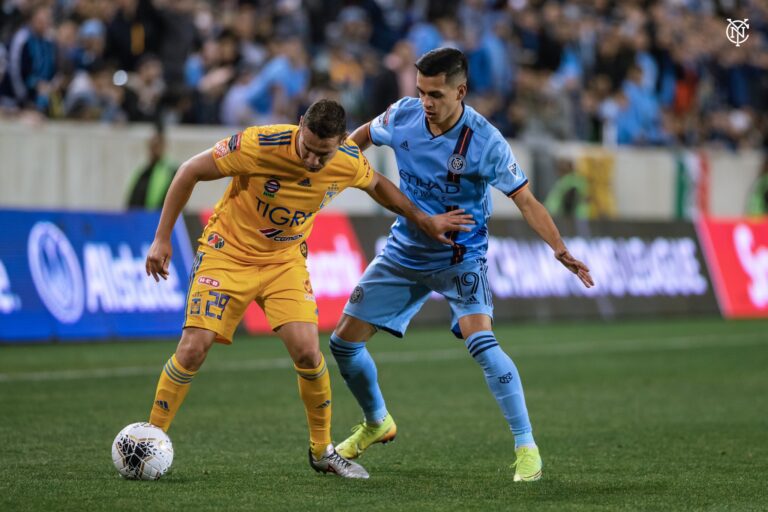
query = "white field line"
x=426 y=356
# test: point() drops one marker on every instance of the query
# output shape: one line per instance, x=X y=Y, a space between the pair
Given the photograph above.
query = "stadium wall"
x=65 y=165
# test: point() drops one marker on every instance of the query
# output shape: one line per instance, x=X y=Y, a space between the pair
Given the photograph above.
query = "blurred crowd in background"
x=628 y=72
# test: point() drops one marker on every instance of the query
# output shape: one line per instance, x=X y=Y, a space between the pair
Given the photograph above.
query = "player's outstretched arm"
x=198 y=168
x=541 y=222
x=389 y=196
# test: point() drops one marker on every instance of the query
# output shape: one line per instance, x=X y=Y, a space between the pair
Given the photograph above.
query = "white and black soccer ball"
x=142 y=451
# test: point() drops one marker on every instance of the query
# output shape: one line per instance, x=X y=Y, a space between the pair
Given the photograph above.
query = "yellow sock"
x=171 y=390
x=315 y=392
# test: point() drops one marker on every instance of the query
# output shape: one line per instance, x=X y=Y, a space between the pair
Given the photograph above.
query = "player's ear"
x=462 y=91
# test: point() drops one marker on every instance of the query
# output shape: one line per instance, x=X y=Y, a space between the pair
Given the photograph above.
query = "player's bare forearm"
x=200 y=167
x=362 y=136
x=541 y=222
x=389 y=196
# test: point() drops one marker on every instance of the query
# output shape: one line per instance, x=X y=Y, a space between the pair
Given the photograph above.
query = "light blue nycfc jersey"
x=443 y=173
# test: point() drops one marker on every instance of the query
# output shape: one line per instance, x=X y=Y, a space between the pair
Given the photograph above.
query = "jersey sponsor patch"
x=215 y=240
x=208 y=281
x=276 y=235
x=514 y=169
x=271 y=187
x=234 y=142
x=227 y=146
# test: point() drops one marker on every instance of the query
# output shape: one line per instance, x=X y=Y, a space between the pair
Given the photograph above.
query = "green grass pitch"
x=651 y=415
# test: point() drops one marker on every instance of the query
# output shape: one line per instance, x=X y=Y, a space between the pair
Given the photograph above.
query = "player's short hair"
x=326 y=119
x=444 y=60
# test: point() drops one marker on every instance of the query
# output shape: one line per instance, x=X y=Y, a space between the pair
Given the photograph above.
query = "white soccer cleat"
x=332 y=462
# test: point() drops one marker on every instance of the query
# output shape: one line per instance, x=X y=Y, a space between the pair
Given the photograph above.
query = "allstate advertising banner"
x=640 y=268
x=737 y=252
x=81 y=276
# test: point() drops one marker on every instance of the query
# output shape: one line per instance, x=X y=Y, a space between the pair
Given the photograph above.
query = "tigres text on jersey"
x=269 y=207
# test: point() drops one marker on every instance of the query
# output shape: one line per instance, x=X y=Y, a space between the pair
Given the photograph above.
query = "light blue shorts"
x=389 y=295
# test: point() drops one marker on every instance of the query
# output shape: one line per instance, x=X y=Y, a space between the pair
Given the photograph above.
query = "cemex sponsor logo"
x=276 y=235
x=106 y=282
x=9 y=302
x=737 y=255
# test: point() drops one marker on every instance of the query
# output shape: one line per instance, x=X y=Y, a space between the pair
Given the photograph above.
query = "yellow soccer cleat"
x=364 y=435
x=528 y=464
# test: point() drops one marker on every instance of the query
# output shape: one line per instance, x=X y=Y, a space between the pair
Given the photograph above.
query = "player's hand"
x=159 y=259
x=437 y=226
x=576 y=267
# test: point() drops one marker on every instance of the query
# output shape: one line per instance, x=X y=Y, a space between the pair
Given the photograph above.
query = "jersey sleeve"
x=382 y=127
x=501 y=169
x=364 y=174
x=237 y=154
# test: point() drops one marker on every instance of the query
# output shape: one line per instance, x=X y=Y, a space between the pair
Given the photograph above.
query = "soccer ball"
x=141 y=451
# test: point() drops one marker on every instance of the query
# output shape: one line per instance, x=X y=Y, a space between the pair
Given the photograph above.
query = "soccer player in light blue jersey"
x=447 y=155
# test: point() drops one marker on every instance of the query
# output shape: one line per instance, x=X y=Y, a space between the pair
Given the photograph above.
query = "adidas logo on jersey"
x=404 y=145
x=305 y=183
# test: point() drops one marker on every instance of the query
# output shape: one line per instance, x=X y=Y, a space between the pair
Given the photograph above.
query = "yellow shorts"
x=220 y=290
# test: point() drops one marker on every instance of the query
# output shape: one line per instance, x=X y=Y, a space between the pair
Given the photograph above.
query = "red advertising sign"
x=737 y=256
x=336 y=263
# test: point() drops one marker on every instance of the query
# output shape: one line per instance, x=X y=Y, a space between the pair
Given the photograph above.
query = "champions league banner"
x=81 y=276
x=640 y=269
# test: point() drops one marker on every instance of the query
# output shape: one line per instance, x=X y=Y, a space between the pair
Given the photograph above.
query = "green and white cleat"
x=364 y=435
x=528 y=464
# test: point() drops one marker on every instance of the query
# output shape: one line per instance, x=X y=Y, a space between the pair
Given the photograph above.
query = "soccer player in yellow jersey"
x=254 y=249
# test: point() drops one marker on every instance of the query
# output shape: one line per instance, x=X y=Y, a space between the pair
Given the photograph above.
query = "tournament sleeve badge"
x=227 y=146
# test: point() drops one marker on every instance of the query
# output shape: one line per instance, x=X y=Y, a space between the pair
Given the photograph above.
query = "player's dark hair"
x=326 y=119
x=443 y=60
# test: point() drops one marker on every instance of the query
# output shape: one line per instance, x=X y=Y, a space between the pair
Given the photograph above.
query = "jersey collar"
x=449 y=130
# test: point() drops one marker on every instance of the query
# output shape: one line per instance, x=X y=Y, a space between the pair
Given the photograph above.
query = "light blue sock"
x=359 y=372
x=504 y=381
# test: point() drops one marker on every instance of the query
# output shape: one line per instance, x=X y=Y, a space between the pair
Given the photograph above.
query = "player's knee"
x=307 y=357
x=193 y=348
x=351 y=329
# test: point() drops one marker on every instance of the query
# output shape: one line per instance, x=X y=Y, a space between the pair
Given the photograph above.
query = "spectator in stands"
x=93 y=96
x=92 y=42
x=132 y=31
x=276 y=91
x=144 y=90
x=150 y=182
x=33 y=57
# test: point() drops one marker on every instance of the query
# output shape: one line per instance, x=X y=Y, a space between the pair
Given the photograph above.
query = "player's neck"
x=439 y=129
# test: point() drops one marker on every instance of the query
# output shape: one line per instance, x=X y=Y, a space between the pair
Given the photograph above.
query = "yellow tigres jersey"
x=268 y=209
